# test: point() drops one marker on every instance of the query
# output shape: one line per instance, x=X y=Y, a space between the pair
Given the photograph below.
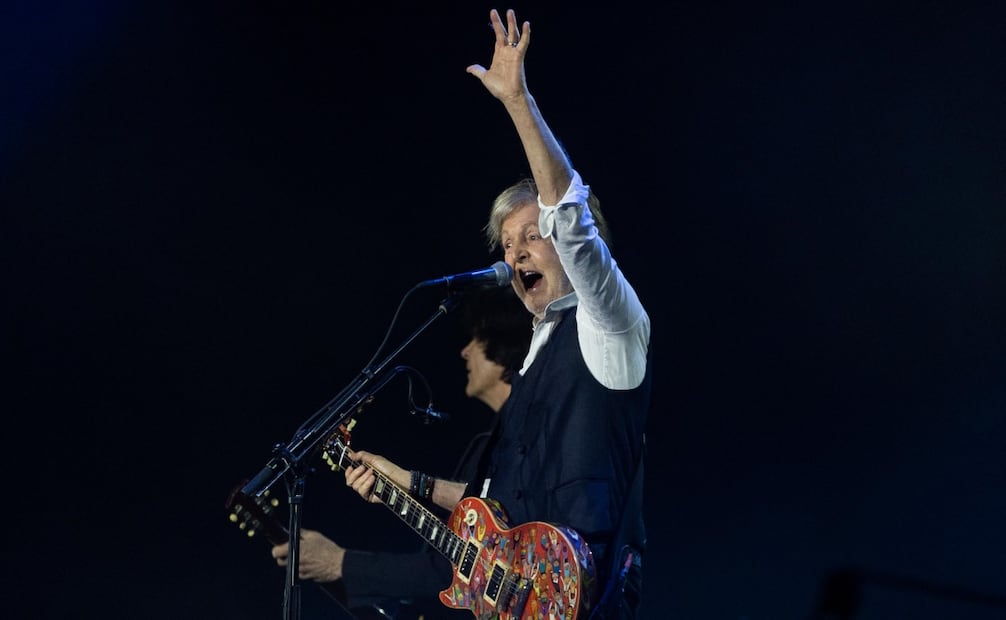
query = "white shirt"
x=613 y=327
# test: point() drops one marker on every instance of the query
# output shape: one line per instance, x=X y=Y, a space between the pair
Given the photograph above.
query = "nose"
x=466 y=350
x=517 y=252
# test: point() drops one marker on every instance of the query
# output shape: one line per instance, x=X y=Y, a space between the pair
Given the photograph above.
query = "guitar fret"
x=415 y=515
x=485 y=553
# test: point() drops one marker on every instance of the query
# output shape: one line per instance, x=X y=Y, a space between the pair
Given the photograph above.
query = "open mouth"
x=529 y=278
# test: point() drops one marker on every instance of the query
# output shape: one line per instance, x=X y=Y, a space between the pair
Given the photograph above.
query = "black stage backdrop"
x=212 y=210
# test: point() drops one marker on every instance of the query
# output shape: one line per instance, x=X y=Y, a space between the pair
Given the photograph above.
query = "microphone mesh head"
x=504 y=273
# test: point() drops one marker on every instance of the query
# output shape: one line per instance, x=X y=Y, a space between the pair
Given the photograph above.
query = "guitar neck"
x=499 y=571
x=428 y=525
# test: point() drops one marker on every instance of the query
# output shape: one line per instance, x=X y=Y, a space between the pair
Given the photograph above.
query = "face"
x=483 y=373
x=538 y=276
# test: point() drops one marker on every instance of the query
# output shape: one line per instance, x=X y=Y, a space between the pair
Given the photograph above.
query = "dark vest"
x=567 y=447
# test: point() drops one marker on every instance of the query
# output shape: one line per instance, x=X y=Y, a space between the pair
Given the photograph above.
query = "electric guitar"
x=536 y=570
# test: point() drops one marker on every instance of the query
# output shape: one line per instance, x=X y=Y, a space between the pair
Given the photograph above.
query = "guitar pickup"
x=494 y=584
x=467 y=563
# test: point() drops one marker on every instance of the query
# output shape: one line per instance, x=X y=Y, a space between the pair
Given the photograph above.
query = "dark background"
x=211 y=212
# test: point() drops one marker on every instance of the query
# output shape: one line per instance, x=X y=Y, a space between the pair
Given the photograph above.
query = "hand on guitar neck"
x=533 y=570
x=363 y=471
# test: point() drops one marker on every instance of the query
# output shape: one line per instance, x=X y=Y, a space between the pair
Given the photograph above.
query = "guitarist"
x=569 y=446
x=406 y=585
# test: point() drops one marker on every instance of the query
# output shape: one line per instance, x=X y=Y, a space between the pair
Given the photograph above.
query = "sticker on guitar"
x=535 y=570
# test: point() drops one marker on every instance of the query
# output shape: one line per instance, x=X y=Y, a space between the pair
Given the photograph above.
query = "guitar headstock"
x=257 y=514
x=255 y=511
x=335 y=447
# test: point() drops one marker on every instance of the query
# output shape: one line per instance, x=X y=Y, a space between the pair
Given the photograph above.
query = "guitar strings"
x=510 y=587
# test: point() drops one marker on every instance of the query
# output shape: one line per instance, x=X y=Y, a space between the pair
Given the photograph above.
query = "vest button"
x=518 y=494
x=522 y=449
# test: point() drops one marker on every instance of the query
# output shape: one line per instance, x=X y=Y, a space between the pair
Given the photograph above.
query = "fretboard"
x=415 y=515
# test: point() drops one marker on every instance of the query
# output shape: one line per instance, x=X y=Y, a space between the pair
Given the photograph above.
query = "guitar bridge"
x=517 y=592
x=507 y=591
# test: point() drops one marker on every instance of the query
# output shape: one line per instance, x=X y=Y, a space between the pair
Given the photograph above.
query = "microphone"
x=499 y=274
x=430 y=414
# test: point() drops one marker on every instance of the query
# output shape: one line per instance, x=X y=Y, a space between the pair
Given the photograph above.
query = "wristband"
x=426 y=488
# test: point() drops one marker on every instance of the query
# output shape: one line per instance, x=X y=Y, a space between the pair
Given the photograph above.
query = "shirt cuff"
x=575 y=194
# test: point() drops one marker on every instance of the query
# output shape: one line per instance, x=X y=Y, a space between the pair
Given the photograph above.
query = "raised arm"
x=505 y=80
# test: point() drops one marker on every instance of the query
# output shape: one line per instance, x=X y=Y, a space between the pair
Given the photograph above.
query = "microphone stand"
x=289 y=463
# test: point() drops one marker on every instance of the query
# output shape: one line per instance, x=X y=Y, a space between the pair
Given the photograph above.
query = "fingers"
x=279 y=552
x=525 y=36
x=361 y=479
x=508 y=57
x=313 y=554
x=509 y=34
x=497 y=26
x=306 y=535
x=513 y=36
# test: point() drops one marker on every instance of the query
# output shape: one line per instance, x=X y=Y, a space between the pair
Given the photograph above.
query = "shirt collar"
x=557 y=306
